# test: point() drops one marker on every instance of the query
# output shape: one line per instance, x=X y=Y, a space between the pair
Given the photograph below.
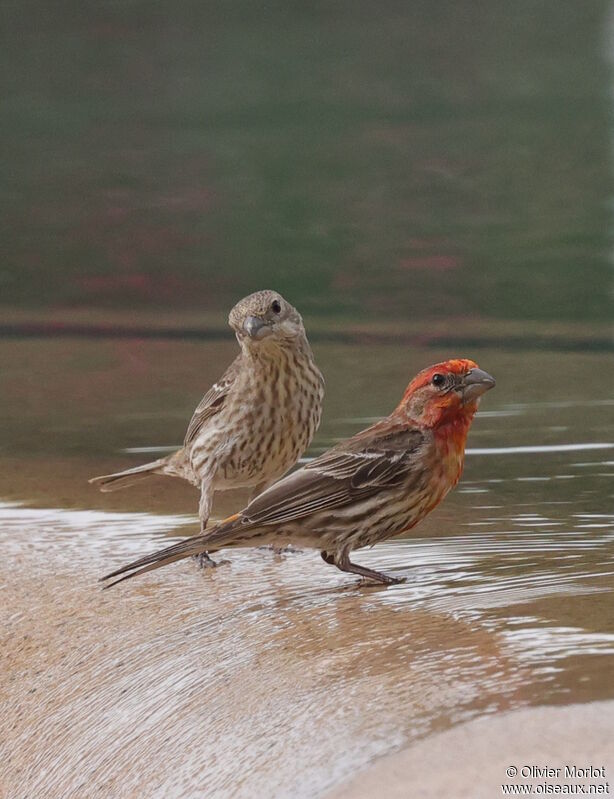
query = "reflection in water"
x=541 y=448
x=278 y=675
x=320 y=153
x=216 y=680
x=55 y=528
x=200 y=678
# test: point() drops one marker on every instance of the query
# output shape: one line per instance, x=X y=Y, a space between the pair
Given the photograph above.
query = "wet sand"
x=239 y=682
x=270 y=676
x=471 y=760
x=280 y=676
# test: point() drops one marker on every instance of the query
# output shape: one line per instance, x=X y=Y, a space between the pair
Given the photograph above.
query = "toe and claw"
x=206 y=562
x=342 y=561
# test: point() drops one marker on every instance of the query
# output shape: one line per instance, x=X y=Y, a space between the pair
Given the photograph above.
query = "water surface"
x=278 y=675
x=423 y=180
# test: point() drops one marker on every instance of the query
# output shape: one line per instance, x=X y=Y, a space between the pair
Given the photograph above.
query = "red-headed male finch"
x=258 y=419
x=375 y=485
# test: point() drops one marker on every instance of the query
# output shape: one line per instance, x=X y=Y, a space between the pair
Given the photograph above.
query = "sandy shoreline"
x=274 y=676
x=470 y=761
x=267 y=677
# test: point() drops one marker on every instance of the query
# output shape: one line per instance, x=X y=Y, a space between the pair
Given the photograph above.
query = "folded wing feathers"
x=331 y=481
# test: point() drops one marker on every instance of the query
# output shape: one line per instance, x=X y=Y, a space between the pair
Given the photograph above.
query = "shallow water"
x=411 y=174
x=278 y=675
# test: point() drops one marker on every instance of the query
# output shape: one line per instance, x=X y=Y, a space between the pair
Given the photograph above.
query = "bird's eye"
x=276 y=306
x=438 y=380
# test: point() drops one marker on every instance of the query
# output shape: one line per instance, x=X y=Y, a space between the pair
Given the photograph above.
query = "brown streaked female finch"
x=258 y=419
x=377 y=484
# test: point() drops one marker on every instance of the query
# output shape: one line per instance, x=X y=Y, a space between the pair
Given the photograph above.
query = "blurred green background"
x=396 y=160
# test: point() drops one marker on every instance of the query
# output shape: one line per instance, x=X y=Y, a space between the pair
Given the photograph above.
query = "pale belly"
x=260 y=451
x=263 y=428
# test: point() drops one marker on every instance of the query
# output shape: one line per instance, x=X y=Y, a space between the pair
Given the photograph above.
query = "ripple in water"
x=281 y=675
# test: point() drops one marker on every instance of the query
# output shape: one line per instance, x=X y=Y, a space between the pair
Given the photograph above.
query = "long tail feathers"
x=190 y=546
x=113 y=482
x=213 y=539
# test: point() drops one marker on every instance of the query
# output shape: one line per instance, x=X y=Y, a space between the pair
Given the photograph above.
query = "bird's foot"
x=344 y=563
x=205 y=562
x=381 y=579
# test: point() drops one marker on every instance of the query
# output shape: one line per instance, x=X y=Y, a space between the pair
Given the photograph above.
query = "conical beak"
x=256 y=328
x=476 y=383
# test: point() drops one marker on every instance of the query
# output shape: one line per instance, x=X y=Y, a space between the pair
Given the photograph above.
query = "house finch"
x=375 y=485
x=258 y=419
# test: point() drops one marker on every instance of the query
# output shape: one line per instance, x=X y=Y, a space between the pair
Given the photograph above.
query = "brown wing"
x=369 y=462
x=356 y=468
x=213 y=400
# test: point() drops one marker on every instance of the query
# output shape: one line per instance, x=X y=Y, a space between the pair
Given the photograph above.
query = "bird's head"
x=445 y=392
x=265 y=318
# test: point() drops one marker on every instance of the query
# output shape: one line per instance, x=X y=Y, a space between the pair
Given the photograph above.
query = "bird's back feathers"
x=376 y=484
x=353 y=470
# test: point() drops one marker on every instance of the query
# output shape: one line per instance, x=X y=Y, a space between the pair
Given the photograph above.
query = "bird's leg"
x=204 y=511
x=342 y=561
